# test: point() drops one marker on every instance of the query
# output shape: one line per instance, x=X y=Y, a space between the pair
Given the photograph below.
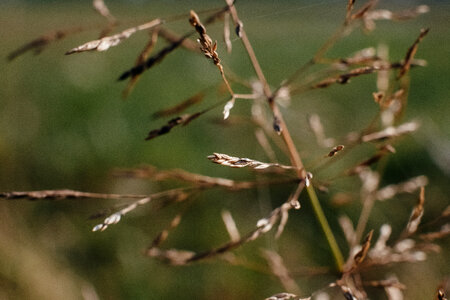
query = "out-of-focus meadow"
x=64 y=124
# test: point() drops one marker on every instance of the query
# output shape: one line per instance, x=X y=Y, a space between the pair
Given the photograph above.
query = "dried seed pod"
x=335 y=150
x=359 y=257
x=416 y=214
x=277 y=125
x=238 y=29
x=105 y=43
x=238 y=162
x=411 y=52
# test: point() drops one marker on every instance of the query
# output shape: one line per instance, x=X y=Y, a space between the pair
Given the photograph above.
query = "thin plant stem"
x=363 y=219
x=339 y=259
x=251 y=53
x=293 y=153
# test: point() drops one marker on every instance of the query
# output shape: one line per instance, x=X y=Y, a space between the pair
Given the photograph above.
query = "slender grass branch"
x=339 y=259
x=294 y=156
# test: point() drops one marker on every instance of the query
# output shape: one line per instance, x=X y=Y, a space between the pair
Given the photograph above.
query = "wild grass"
x=367 y=250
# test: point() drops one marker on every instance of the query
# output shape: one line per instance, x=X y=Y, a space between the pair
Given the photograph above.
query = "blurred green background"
x=63 y=124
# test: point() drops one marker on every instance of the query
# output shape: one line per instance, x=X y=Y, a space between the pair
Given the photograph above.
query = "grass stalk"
x=294 y=156
x=337 y=254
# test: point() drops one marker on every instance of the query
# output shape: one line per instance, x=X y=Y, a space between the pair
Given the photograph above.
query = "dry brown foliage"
x=365 y=254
